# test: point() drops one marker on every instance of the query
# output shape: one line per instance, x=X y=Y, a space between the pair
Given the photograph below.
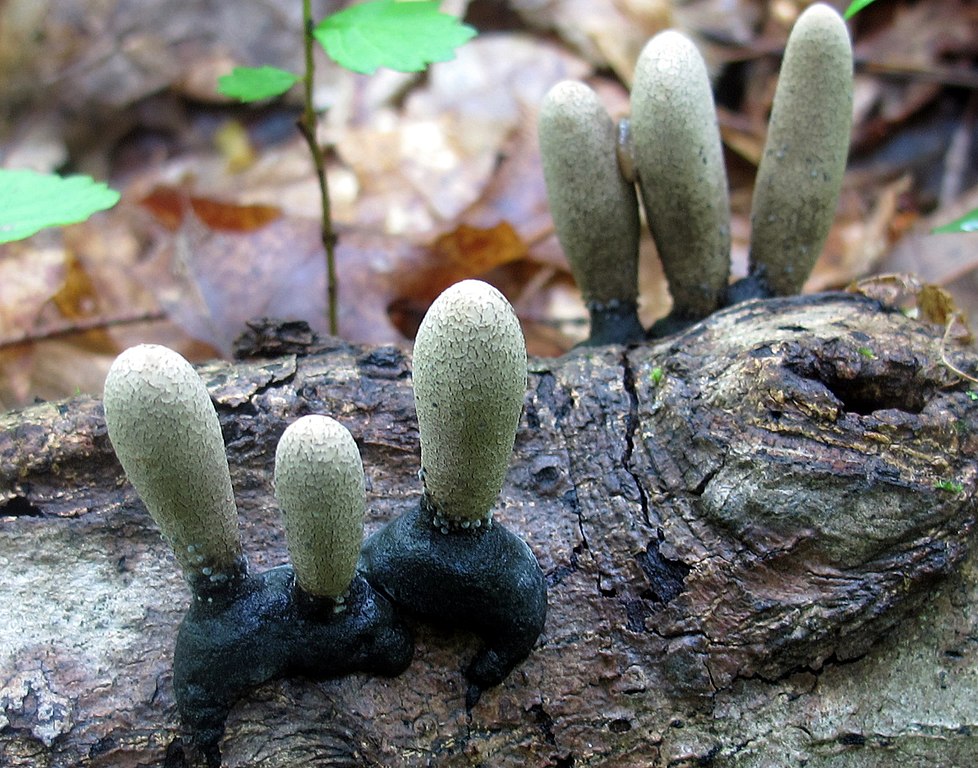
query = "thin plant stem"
x=307 y=127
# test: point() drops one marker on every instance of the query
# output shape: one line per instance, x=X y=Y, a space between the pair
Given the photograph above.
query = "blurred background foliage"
x=434 y=177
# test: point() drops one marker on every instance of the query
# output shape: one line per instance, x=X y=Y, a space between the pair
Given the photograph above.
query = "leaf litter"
x=433 y=178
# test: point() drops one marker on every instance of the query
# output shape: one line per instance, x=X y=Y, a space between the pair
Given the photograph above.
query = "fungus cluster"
x=671 y=147
x=336 y=609
x=317 y=617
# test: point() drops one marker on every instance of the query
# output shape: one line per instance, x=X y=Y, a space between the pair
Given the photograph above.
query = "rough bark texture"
x=749 y=559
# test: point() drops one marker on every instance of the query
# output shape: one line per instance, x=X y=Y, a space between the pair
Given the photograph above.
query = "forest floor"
x=434 y=178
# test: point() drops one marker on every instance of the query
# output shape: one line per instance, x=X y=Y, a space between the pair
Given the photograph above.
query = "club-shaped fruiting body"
x=681 y=175
x=244 y=629
x=166 y=434
x=800 y=174
x=447 y=561
x=594 y=208
x=469 y=383
x=320 y=490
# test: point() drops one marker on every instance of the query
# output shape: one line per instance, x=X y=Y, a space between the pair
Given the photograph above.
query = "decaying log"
x=756 y=536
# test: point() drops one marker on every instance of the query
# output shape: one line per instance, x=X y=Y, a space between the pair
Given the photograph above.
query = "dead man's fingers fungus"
x=681 y=174
x=469 y=383
x=594 y=208
x=320 y=490
x=166 y=434
x=447 y=561
x=243 y=629
x=800 y=174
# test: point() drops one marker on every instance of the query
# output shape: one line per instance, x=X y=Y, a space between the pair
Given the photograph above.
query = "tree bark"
x=756 y=536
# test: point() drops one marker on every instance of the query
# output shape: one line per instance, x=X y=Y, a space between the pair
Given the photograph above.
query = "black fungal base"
x=252 y=629
x=751 y=287
x=614 y=322
x=485 y=580
x=669 y=325
x=746 y=289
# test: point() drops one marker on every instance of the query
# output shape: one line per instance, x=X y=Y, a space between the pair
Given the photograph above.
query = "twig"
x=307 y=127
x=943 y=349
x=79 y=326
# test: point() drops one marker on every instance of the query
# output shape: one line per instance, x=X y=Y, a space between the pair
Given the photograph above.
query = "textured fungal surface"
x=800 y=174
x=594 y=208
x=320 y=490
x=166 y=434
x=681 y=174
x=469 y=383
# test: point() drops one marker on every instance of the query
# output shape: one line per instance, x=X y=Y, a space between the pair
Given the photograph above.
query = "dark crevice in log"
x=19 y=506
x=861 y=381
x=666 y=577
x=631 y=432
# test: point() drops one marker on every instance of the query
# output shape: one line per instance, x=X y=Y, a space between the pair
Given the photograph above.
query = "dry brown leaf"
x=479 y=250
x=611 y=33
x=419 y=170
x=210 y=282
x=929 y=302
x=940 y=259
x=76 y=298
x=937 y=305
x=31 y=272
x=170 y=206
x=921 y=47
x=65 y=295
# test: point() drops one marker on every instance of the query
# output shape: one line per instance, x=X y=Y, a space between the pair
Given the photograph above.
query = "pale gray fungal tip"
x=594 y=207
x=319 y=485
x=681 y=173
x=800 y=175
x=469 y=384
x=167 y=436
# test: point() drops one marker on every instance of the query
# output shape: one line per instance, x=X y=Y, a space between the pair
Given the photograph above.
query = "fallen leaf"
x=170 y=206
x=477 y=250
x=921 y=47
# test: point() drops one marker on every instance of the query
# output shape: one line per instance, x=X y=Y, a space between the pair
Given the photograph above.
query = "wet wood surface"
x=756 y=536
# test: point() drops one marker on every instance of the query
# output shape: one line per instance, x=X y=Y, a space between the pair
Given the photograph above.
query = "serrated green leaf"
x=856 y=6
x=967 y=223
x=31 y=201
x=405 y=36
x=256 y=83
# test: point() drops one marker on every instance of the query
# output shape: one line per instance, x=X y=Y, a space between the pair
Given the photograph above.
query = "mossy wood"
x=756 y=537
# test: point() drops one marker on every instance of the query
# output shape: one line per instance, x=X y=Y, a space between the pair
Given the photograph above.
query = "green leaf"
x=856 y=6
x=405 y=35
x=967 y=223
x=31 y=201
x=256 y=83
